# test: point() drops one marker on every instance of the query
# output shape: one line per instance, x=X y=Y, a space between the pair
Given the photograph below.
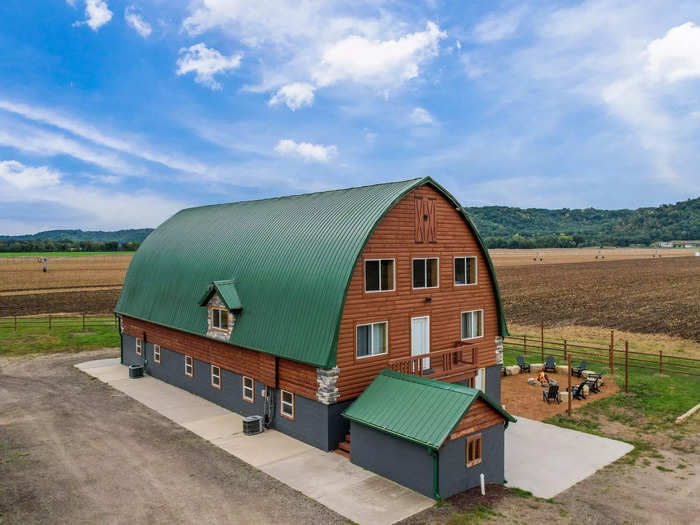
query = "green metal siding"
x=417 y=409
x=291 y=259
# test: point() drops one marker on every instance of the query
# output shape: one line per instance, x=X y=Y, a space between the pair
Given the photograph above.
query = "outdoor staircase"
x=344 y=447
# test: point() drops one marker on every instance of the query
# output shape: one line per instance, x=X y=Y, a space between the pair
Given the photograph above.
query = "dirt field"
x=574 y=255
x=90 y=302
x=646 y=296
x=523 y=399
x=76 y=451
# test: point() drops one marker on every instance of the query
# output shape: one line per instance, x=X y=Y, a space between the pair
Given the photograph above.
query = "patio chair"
x=576 y=370
x=549 y=364
x=524 y=367
x=594 y=381
x=551 y=394
x=577 y=391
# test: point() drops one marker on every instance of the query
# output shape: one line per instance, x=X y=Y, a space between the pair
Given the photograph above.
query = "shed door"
x=420 y=338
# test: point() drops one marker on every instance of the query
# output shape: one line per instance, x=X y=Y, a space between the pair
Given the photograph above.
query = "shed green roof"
x=292 y=259
x=416 y=409
x=227 y=291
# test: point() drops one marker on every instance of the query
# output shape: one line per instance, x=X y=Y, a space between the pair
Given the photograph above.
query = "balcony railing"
x=453 y=364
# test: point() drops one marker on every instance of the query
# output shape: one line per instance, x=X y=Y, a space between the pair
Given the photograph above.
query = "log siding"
x=399 y=236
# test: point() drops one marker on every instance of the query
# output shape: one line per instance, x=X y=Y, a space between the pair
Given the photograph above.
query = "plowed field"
x=648 y=296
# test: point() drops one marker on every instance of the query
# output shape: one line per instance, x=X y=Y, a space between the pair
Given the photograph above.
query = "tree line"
x=42 y=245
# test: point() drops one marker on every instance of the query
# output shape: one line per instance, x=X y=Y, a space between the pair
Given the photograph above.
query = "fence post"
x=627 y=367
x=542 y=339
x=83 y=321
x=611 y=357
x=525 y=345
x=565 y=352
x=661 y=366
x=49 y=321
x=15 y=323
x=569 y=389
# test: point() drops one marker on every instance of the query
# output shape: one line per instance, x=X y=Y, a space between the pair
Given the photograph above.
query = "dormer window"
x=219 y=319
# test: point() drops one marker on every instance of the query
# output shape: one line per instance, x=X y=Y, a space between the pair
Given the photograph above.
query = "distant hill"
x=120 y=236
x=506 y=227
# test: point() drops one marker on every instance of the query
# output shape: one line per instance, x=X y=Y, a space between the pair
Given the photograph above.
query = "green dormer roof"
x=227 y=292
x=416 y=409
x=292 y=259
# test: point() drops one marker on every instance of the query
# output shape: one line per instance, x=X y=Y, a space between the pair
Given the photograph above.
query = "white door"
x=420 y=338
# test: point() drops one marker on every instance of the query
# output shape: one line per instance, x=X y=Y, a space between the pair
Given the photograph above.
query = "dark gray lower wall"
x=406 y=463
x=314 y=423
x=455 y=477
x=493 y=383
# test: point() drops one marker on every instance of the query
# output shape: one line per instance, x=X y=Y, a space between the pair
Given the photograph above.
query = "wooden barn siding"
x=479 y=417
x=395 y=238
x=293 y=377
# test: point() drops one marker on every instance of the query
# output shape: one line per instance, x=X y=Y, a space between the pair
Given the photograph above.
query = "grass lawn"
x=60 y=254
x=66 y=335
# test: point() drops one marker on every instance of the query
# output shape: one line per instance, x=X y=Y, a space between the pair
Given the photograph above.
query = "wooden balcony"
x=445 y=365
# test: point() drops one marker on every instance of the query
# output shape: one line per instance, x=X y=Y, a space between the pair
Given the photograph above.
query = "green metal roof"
x=227 y=291
x=291 y=258
x=416 y=409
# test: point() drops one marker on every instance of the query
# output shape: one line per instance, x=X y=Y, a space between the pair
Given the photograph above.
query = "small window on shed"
x=379 y=275
x=156 y=353
x=138 y=346
x=287 y=404
x=219 y=319
x=465 y=270
x=473 y=454
x=189 y=366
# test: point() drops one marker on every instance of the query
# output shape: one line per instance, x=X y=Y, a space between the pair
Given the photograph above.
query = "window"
x=219 y=318
x=473 y=456
x=249 y=389
x=472 y=324
x=465 y=270
x=371 y=339
x=156 y=353
x=189 y=366
x=287 y=404
x=379 y=275
x=425 y=273
x=216 y=377
x=138 y=346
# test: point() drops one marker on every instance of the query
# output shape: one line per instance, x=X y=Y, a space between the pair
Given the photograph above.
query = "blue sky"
x=115 y=114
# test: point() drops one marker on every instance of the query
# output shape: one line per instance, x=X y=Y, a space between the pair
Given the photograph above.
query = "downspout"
x=436 y=473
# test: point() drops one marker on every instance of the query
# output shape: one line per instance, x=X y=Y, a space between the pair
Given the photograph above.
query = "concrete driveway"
x=546 y=459
x=330 y=479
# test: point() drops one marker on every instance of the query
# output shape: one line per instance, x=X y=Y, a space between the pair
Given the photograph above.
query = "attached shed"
x=434 y=437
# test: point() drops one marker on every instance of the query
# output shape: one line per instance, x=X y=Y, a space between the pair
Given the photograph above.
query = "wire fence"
x=614 y=355
x=55 y=321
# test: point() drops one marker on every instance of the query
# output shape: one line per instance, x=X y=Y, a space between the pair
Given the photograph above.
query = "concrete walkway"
x=546 y=459
x=330 y=479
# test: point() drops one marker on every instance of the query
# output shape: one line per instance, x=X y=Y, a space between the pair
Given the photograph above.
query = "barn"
x=290 y=308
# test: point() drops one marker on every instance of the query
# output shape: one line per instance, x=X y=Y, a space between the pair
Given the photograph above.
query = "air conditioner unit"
x=135 y=371
x=252 y=425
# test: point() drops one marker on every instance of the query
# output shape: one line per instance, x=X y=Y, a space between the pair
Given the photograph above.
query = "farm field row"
x=544 y=256
x=57 y=255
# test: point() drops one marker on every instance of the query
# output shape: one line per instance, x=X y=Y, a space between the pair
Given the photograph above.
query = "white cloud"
x=676 y=56
x=498 y=26
x=421 y=116
x=136 y=21
x=295 y=95
x=205 y=62
x=306 y=150
x=51 y=143
x=97 y=14
x=24 y=177
x=98 y=207
x=380 y=63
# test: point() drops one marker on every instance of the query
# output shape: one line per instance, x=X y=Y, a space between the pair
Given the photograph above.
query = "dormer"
x=223 y=305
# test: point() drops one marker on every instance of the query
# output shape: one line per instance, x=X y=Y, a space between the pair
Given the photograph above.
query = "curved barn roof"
x=291 y=259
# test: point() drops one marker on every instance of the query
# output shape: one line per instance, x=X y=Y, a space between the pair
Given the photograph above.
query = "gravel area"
x=74 y=450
